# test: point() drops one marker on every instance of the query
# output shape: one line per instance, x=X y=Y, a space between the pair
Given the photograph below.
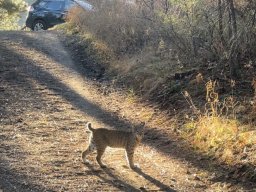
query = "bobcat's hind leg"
x=89 y=149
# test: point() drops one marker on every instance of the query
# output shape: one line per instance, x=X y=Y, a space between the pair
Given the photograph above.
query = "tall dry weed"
x=120 y=26
x=215 y=127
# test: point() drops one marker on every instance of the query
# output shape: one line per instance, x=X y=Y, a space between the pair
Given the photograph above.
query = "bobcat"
x=101 y=138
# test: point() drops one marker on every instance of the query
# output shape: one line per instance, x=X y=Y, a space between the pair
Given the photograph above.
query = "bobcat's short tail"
x=89 y=126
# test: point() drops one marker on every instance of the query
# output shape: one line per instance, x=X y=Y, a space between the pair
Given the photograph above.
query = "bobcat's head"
x=139 y=131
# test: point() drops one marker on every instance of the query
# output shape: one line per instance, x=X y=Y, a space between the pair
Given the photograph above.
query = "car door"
x=54 y=11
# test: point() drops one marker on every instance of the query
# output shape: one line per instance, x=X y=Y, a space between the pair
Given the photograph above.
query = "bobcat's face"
x=139 y=138
x=140 y=132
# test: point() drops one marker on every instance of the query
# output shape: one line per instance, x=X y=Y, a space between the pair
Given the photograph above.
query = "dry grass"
x=143 y=72
x=114 y=23
x=124 y=36
x=216 y=130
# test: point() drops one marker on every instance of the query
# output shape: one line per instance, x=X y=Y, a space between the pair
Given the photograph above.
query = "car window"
x=69 y=4
x=42 y=4
x=54 y=5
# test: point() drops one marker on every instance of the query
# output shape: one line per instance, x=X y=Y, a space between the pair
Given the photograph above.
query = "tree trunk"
x=233 y=48
x=233 y=16
x=221 y=33
x=152 y=5
x=166 y=6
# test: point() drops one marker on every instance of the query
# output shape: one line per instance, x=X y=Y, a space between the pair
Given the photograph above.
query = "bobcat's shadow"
x=113 y=179
x=116 y=181
x=162 y=186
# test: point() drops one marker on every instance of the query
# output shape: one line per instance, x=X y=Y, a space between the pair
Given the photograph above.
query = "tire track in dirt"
x=45 y=102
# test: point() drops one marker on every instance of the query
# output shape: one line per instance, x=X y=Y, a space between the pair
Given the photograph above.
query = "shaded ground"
x=45 y=100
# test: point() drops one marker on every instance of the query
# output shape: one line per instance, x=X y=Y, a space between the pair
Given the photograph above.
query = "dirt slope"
x=45 y=100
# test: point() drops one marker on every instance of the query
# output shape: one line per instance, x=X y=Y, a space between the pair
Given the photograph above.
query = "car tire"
x=39 y=25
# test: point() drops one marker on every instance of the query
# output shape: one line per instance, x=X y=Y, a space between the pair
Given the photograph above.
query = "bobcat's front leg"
x=98 y=158
x=130 y=156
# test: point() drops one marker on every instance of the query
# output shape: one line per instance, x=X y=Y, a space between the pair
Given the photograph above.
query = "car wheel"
x=39 y=25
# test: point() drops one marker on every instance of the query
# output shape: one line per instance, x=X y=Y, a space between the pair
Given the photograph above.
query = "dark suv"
x=44 y=14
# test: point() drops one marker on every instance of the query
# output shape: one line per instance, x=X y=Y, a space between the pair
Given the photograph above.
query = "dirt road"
x=45 y=100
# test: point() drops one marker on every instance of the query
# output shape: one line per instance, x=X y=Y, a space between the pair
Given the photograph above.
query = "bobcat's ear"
x=142 y=124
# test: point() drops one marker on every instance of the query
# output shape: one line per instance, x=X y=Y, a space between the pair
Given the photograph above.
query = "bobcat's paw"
x=86 y=161
x=134 y=167
x=103 y=166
